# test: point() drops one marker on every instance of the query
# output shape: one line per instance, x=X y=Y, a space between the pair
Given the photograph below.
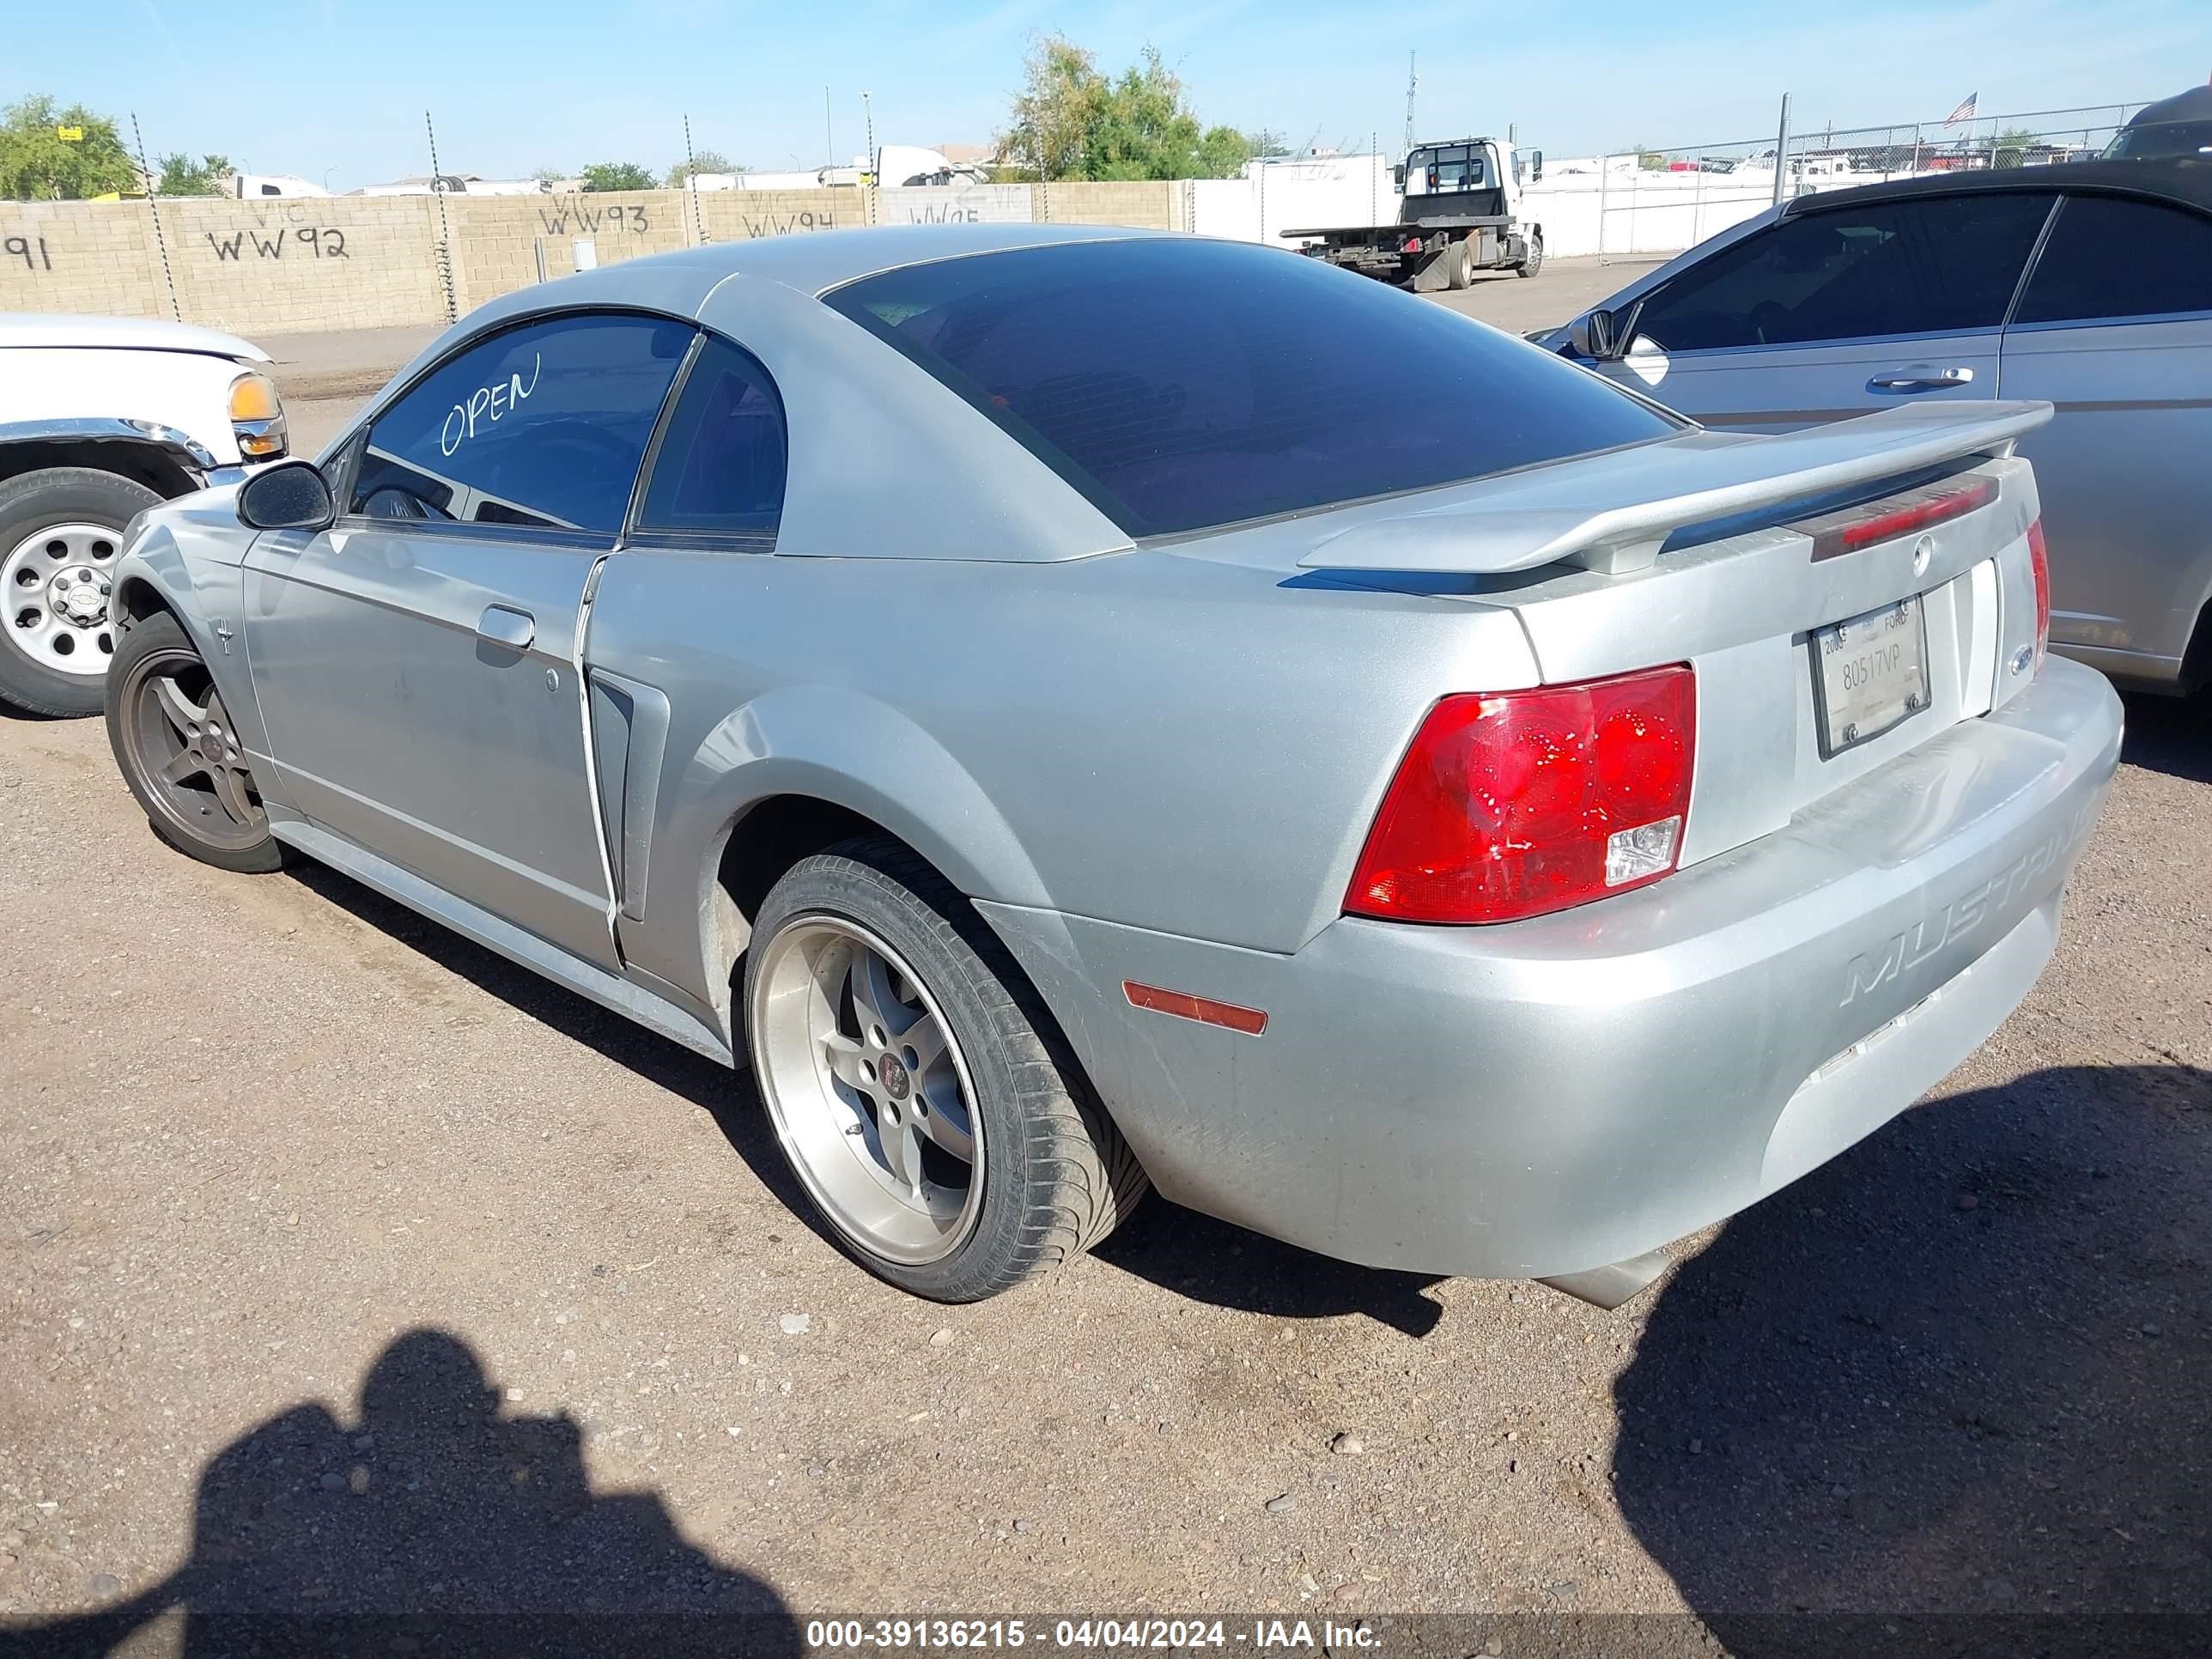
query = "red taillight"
x=1885 y=521
x=2040 y=562
x=1522 y=802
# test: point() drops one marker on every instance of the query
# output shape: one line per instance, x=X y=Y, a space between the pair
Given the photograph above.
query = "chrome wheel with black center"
x=868 y=1090
x=917 y=1085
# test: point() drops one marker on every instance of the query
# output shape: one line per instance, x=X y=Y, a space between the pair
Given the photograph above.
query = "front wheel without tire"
x=61 y=528
x=916 y=1085
x=173 y=739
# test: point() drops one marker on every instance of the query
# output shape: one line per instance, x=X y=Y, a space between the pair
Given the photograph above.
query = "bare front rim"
x=56 y=583
x=868 y=1089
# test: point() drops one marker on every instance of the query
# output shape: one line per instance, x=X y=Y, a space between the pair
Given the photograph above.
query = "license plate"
x=1869 y=673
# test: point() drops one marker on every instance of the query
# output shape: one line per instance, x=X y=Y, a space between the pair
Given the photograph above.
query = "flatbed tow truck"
x=1459 y=211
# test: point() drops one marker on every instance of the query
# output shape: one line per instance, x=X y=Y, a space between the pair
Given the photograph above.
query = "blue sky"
x=342 y=84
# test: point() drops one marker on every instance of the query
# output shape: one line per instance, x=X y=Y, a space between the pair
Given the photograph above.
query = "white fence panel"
x=1225 y=207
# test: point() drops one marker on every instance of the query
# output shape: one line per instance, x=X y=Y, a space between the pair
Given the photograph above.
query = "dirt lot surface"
x=346 y=1268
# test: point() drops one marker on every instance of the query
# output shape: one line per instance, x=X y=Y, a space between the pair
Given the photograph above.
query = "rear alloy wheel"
x=179 y=751
x=951 y=1147
x=60 y=530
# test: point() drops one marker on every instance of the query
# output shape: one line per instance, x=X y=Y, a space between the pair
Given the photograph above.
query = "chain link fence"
x=1651 y=200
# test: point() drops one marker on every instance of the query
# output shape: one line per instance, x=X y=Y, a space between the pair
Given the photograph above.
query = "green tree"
x=182 y=176
x=704 y=161
x=1071 y=121
x=2007 y=149
x=38 y=164
x=548 y=175
x=615 y=175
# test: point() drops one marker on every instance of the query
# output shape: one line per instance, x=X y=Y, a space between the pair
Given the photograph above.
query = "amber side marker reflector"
x=1205 y=1009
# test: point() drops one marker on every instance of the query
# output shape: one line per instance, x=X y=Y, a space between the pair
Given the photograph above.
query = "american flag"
x=1963 y=112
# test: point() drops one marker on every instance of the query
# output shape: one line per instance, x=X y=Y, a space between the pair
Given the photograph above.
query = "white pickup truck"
x=100 y=417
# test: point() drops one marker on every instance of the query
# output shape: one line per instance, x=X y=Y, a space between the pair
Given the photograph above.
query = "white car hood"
x=64 y=330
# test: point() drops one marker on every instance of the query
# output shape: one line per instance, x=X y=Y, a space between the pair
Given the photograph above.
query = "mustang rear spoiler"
x=1612 y=512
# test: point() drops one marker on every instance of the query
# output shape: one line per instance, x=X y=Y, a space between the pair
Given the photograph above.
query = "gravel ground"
x=346 y=1268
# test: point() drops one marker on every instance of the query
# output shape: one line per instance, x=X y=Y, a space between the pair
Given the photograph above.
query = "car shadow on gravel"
x=429 y=1523
x=1194 y=1256
x=1178 y=1250
x=2171 y=735
x=1959 y=1380
x=726 y=1096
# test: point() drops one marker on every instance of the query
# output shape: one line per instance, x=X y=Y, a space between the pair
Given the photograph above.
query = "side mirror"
x=1398 y=177
x=291 y=497
x=1535 y=165
x=1589 y=337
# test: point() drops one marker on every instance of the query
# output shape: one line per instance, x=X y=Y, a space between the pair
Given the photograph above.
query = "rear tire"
x=61 y=528
x=174 y=740
x=1459 y=264
x=916 y=1083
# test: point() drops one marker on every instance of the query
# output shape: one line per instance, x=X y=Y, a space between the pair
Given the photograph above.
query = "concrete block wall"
x=80 y=256
x=1146 y=203
x=282 y=266
x=270 y=267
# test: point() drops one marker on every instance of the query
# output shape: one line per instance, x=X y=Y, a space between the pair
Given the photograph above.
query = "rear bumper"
x=1548 y=1096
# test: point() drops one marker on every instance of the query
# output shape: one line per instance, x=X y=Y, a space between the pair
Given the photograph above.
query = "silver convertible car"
x=1083 y=710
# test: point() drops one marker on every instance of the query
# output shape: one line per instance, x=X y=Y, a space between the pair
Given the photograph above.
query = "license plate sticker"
x=1870 y=672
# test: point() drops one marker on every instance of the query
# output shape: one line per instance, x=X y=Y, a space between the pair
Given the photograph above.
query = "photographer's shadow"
x=432 y=1524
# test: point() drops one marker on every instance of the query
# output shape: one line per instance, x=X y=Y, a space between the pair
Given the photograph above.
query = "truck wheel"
x=1459 y=263
x=916 y=1085
x=60 y=530
x=1532 y=261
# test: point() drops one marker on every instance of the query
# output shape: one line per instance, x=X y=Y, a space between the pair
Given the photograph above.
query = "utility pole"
x=1412 y=81
x=829 y=133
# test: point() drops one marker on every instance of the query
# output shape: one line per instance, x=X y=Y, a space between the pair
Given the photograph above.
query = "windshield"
x=2159 y=141
x=1181 y=384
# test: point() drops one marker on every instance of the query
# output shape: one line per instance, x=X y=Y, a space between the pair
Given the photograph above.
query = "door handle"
x=1920 y=377
x=501 y=625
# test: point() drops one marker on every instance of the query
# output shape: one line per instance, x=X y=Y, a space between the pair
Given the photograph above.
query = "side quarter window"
x=2110 y=257
x=718 y=473
x=543 y=425
x=1931 y=265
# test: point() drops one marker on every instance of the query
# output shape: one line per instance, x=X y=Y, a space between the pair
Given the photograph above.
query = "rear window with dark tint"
x=1182 y=384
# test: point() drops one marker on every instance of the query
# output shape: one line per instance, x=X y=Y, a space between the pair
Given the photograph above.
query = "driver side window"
x=543 y=425
x=1929 y=265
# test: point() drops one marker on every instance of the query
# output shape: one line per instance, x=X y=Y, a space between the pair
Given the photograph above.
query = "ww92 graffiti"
x=328 y=242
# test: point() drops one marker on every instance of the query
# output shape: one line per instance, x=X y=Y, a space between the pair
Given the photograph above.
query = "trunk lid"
x=1730 y=553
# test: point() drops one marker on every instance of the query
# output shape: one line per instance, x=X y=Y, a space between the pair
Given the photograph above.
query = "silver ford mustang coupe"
x=1081 y=710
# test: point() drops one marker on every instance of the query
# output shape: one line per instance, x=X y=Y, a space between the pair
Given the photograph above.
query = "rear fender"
x=830 y=744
